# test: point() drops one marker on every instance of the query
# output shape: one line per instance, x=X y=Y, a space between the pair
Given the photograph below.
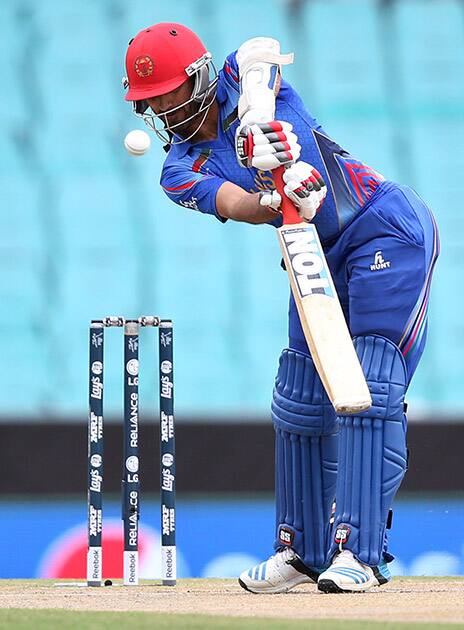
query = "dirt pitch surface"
x=432 y=600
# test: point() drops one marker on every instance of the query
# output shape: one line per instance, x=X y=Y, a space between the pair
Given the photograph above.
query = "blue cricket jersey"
x=193 y=173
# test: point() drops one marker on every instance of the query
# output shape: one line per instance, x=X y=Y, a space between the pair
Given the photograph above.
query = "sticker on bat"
x=307 y=261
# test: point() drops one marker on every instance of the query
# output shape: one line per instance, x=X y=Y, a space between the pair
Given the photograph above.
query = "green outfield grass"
x=21 y=619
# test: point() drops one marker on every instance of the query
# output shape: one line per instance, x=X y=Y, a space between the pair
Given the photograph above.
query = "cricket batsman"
x=224 y=134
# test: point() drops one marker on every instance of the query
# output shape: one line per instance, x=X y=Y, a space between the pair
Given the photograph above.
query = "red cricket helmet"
x=160 y=58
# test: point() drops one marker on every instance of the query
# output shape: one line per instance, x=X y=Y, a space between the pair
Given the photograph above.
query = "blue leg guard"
x=372 y=455
x=306 y=459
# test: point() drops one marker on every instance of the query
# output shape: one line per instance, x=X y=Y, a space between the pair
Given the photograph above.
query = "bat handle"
x=289 y=212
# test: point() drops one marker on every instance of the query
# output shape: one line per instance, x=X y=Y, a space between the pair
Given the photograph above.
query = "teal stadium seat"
x=93 y=211
x=15 y=150
x=99 y=260
x=12 y=103
x=28 y=371
x=346 y=90
x=21 y=216
x=91 y=288
x=83 y=66
x=347 y=56
x=85 y=230
x=431 y=47
x=22 y=293
x=212 y=22
x=21 y=251
x=253 y=21
x=189 y=275
x=99 y=276
x=74 y=145
x=98 y=284
x=140 y=14
x=431 y=42
x=196 y=270
x=437 y=151
x=262 y=300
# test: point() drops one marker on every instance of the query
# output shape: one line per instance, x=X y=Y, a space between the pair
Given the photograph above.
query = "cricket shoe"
x=279 y=574
x=346 y=575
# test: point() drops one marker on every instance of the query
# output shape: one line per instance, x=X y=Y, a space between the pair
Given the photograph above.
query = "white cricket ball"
x=137 y=142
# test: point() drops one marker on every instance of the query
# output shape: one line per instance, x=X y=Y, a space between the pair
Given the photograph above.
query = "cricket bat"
x=321 y=315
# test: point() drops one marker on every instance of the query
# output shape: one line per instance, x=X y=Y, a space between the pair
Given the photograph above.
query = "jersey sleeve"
x=191 y=189
x=230 y=71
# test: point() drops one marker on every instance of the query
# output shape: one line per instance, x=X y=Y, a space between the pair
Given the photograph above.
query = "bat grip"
x=289 y=212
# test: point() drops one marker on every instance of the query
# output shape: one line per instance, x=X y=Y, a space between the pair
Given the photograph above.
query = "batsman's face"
x=176 y=100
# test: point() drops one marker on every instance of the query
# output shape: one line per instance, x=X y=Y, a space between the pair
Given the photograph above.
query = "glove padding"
x=305 y=187
x=266 y=146
x=270 y=199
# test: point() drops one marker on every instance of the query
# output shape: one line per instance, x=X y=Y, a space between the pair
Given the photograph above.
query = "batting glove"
x=270 y=199
x=306 y=188
x=266 y=146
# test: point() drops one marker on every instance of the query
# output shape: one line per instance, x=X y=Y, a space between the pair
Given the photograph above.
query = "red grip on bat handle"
x=289 y=212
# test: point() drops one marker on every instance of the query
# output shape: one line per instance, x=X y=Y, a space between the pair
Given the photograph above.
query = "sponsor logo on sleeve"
x=192 y=204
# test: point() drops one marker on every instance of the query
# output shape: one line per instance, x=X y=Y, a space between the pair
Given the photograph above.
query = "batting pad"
x=305 y=459
x=372 y=454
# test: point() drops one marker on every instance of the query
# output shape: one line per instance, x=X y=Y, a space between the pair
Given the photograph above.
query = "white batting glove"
x=306 y=188
x=266 y=146
x=270 y=199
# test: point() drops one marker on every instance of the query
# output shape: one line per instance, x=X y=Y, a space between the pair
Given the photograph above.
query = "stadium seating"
x=86 y=231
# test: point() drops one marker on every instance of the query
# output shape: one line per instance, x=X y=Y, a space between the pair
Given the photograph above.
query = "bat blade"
x=320 y=313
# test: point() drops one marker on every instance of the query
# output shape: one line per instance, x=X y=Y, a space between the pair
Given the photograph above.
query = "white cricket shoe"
x=347 y=574
x=279 y=574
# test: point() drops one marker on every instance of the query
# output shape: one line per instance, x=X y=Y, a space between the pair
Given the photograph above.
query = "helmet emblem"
x=143 y=66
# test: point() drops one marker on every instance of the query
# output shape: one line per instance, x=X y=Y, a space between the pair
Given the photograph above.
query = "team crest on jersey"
x=144 y=66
